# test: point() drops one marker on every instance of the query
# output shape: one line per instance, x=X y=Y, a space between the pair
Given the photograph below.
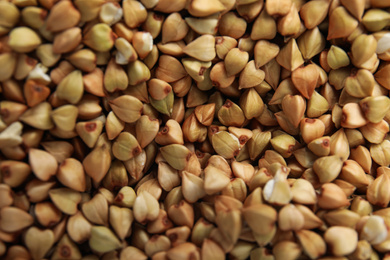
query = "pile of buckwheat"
x=194 y=129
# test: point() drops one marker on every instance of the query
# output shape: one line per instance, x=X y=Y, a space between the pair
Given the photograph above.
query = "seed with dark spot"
x=214 y=129
x=199 y=154
x=137 y=151
x=90 y=126
x=165 y=221
x=364 y=107
x=325 y=143
x=4 y=113
x=6 y=171
x=173 y=237
x=37 y=88
x=30 y=61
x=158 y=17
x=243 y=139
x=119 y=197
x=167 y=90
x=164 y=130
x=65 y=251
x=201 y=71
x=228 y=103
x=219 y=40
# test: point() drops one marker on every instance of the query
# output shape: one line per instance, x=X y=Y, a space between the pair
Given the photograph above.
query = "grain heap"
x=199 y=129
